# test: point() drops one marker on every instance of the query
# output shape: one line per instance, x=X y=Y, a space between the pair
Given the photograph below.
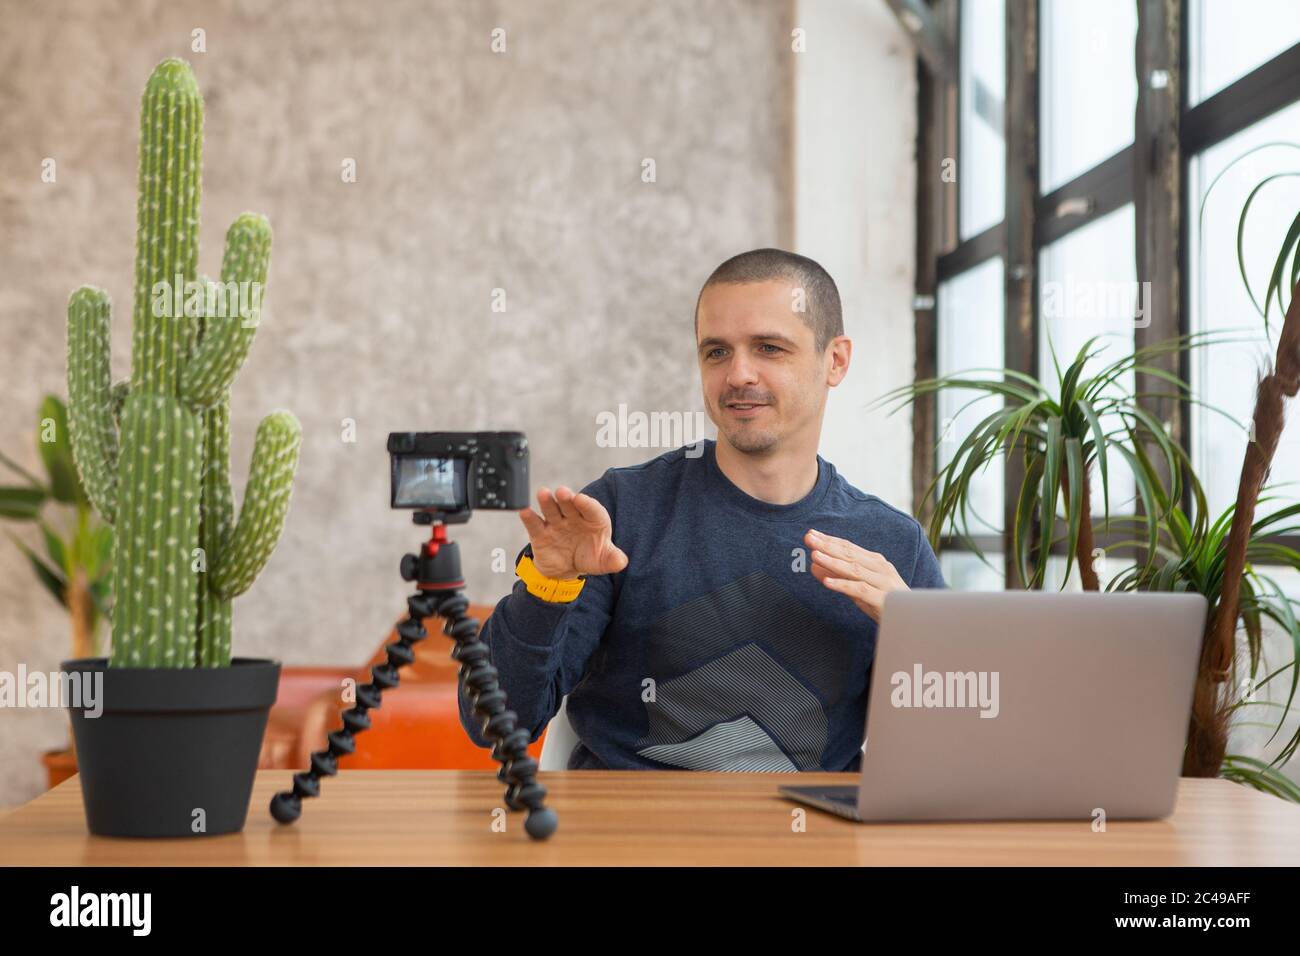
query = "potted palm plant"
x=1060 y=431
x=76 y=569
x=175 y=749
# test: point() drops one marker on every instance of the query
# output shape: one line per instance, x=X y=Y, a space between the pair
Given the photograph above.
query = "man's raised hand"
x=572 y=535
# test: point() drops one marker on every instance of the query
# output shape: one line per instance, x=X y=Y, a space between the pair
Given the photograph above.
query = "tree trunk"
x=80 y=612
x=1083 y=550
x=80 y=608
x=1207 y=736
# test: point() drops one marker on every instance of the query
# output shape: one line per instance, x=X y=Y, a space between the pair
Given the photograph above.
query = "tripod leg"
x=286 y=806
x=517 y=768
x=510 y=747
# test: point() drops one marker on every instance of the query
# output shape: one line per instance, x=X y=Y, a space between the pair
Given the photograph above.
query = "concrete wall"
x=475 y=171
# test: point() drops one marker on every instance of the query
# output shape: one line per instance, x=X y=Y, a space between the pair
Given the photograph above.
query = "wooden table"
x=436 y=817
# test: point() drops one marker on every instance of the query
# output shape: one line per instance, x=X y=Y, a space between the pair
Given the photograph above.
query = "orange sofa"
x=418 y=726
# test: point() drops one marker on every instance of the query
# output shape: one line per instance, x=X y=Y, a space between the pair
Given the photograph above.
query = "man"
x=716 y=611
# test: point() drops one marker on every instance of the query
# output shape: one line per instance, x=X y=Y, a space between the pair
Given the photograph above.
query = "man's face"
x=762 y=376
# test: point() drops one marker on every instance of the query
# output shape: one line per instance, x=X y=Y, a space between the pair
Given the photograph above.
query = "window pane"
x=1228 y=38
x=970 y=337
x=983 y=145
x=1088 y=287
x=1109 y=567
x=1088 y=86
x=1052 y=580
x=1226 y=375
x=964 y=571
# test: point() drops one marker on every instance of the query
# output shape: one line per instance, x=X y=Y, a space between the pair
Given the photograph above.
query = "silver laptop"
x=1023 y=705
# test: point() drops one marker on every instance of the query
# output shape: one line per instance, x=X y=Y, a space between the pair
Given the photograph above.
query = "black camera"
x=459 y=471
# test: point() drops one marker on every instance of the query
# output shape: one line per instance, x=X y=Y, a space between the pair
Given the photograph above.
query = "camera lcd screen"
x=429 y=482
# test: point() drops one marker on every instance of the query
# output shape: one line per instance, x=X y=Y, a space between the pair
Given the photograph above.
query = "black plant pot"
x=170 y=743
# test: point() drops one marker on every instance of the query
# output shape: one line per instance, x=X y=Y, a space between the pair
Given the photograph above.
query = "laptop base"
x=841 y=801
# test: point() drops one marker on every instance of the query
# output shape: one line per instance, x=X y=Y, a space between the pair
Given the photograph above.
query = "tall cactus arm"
x=266 y=500
x=92 y=418
x=228 y=335
x=167 y=226
x=214 y=621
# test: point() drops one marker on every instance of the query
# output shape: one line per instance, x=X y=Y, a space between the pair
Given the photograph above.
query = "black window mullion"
x=925 y=315
x=1258 y=94
x=1159 y=202
x=1097 y=192
x=1184 y=302
x=978 y=248
x=956 y=18
x=1020 y=276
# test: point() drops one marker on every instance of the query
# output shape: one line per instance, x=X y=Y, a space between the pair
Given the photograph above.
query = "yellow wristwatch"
x=552 y=590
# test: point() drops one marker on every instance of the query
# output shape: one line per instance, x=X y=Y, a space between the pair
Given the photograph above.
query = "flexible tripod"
x=436 y=571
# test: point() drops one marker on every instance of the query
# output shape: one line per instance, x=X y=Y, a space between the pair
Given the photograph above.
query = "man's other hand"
x=865 y=577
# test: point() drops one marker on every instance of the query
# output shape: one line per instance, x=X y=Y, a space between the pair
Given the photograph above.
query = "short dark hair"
x=821 y=297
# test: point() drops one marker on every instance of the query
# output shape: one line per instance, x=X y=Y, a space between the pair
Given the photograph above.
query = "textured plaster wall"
x=475 y=171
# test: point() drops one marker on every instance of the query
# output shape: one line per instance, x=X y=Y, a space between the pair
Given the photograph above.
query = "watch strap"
x=551 y=590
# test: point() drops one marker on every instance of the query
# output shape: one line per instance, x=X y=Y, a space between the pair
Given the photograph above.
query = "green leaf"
x=1022 y=534
x=1295 y=267
x=1051 y=488
x=1283 y=605
x=1275 y=280
x=1264 y=777
x=56 y=453
x=1166 y=500
x=1099 y=440
x=1241 y=223
x=1241 y=234
x=101 y=592
x=22 y=504
x=1282 y=514
x=57 y=549
x=1250 y=618
x=18 y=469
x=1074 y=517
x=53 y=582
x=1055 y=364
x=1144 y=486
x=1072 y=374
x=101 y=550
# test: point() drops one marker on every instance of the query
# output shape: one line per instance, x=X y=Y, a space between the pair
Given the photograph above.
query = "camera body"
x=459 y=471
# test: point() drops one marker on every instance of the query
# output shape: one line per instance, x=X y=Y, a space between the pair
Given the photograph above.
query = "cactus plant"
x=154 y=452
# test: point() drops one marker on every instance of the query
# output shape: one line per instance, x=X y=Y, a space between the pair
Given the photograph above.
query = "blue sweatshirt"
x=715 y=648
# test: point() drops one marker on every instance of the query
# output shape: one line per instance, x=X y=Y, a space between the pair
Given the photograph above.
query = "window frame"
x=1151 y=172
